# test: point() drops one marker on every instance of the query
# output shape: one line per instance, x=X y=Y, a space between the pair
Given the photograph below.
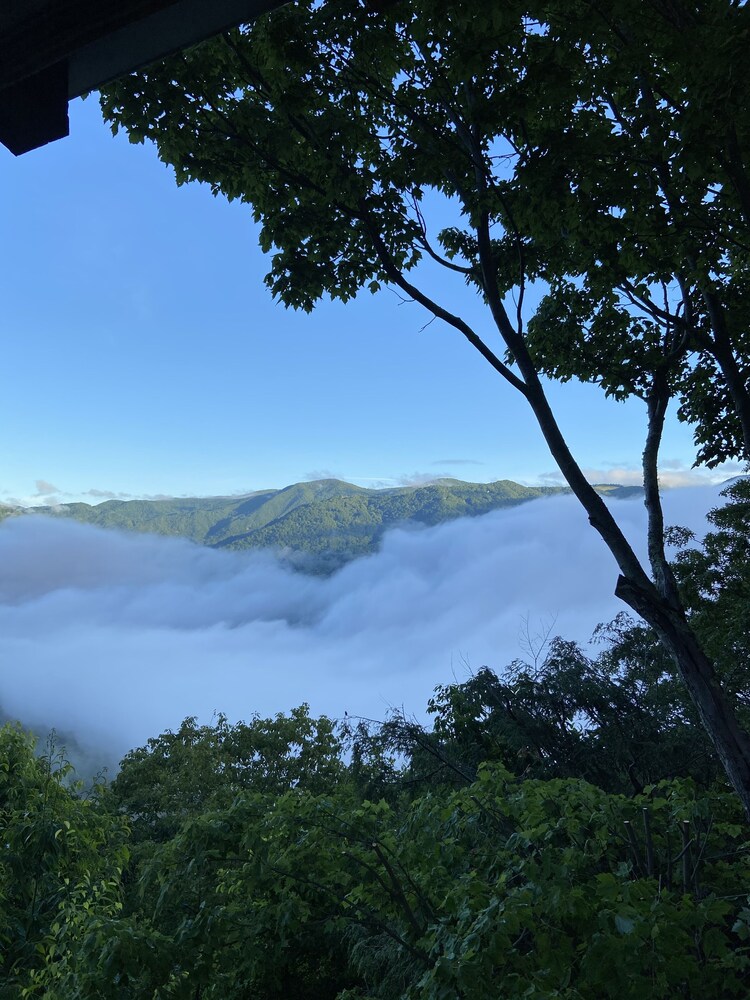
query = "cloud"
x=45 y=494
x=373 y=482
x=675 y=473
x=52 y=495
x=622 y=475
x=45 y=489
x=104 y=494
x=111 y=495
x=405 y=479
x=416 y=479
x=115 y=637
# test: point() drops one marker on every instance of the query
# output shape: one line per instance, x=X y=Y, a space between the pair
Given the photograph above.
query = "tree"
x=181 y=774
x=621 y=721
x=55 y=845
x=715 y=583
x=506 y=886
x=599 y=151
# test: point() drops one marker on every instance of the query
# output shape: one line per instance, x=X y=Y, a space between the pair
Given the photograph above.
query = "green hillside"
x=337 y=528
x=320 y=525
x=209 y=520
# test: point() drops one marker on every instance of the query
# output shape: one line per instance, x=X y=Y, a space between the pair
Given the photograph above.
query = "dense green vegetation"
x=339 y=528
x=328 y=521
x=290 y=857
x=562 y=830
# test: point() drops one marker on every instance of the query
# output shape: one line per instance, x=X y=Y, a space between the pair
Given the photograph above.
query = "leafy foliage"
x=492 y=855
x=179 y=775
x=622 y=721
x=603 y=152
x=503 y=887
x=715 y=580
x=58 y=844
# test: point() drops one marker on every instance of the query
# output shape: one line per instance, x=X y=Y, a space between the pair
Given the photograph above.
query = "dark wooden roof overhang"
x=54 y=50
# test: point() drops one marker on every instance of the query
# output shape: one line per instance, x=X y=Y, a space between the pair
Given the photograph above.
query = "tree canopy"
x=290 y=857
x=598 y=153
x=603 y=152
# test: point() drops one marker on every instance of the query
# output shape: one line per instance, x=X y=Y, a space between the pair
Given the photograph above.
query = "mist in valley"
x=111 y=638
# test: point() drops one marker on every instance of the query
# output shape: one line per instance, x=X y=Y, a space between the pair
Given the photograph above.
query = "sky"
x=112 y=638
x=143 y=355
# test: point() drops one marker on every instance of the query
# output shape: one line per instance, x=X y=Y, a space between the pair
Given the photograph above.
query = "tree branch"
x=657 y=401
x=395 y=275
x=398 y=891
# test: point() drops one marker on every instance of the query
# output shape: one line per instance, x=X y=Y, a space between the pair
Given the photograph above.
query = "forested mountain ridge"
x=328 y=519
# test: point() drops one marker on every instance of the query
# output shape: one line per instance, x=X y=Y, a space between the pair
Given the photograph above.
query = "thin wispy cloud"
x=100 y=494
x=115 y=637
x=373 y=482
x=45 y=489
x=106 y=495
x=48 y=495
x=416 y=479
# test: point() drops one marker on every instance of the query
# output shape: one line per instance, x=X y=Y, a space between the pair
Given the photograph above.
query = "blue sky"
x=143 y=355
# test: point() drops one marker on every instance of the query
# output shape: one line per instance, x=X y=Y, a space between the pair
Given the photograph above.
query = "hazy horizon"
x=720 y=477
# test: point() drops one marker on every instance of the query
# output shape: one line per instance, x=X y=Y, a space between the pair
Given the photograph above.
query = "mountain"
x=318 y=526
x=337 y=528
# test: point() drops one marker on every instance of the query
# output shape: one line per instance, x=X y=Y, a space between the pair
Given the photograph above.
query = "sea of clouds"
x=116 y=637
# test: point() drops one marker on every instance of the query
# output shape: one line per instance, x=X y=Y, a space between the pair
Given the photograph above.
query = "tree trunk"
x=732 y=743
x=634 y=587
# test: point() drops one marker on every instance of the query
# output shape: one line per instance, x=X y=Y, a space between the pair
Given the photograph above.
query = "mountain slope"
x=337 y=528
x=318 y=525
x=208 y=520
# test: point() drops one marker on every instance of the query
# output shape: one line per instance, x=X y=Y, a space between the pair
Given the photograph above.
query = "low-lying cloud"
x=116 y=637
